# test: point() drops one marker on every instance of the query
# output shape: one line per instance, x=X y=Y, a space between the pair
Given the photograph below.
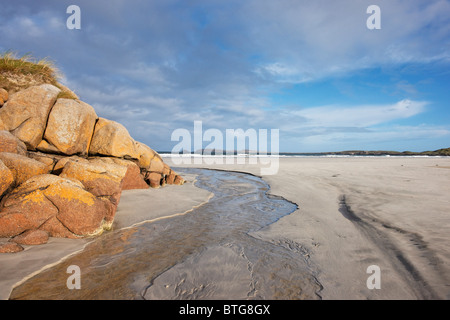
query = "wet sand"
x=352 y=213
x=393 y=212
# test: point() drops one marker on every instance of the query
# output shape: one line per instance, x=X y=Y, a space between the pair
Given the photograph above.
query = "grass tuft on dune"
x=18 y=73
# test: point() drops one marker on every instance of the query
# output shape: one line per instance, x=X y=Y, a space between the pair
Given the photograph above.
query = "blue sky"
x=311 y=69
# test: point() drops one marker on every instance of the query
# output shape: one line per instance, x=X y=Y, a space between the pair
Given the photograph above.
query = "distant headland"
x=215 y=152
x=439 y=152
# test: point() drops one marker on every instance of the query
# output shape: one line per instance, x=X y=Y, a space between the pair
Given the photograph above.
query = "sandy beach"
x=352 y=213
x=402 y=214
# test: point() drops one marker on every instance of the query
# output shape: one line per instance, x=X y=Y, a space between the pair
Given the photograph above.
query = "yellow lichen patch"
x=68 y=191
x=36 y=197
x=27 y=192
x=22 y=198
x=39 y=188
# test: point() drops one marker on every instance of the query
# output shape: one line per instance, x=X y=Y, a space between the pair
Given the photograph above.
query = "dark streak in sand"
x=370 y=227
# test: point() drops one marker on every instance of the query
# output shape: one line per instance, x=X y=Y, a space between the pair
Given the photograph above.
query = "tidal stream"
x=208 y=253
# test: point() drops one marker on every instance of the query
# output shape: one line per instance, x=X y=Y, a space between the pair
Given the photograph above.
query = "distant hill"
x=439 y=152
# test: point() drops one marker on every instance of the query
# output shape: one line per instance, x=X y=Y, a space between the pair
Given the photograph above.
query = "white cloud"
x=359 y=116
x=399 y=138
x=277 y=69
x=283 y=73
x=317 y=39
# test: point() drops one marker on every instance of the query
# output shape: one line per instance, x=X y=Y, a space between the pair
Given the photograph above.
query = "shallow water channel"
x=208 y=253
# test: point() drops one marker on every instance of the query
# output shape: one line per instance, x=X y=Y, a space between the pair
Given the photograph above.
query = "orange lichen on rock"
x=47 y=197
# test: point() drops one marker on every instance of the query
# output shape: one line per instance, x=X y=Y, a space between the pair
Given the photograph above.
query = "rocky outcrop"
x=6 y=178
x=10 y=247
x=22 y=168
x=31 y=237
x=112 y=139
x=3 y=96
x=70 y=127
x=61 y=207
x=63 y=169
x=103 y=180
x=25 y=114
x=9 y=143
x=49 y=160
x=133 y=178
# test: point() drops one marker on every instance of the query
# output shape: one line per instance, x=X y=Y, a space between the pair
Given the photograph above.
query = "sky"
x=311 y=69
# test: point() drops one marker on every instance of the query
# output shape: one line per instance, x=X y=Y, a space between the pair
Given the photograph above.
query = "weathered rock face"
x=31 y=237
x=70 y=127
x=9 y=143
x=154 y=179
x=2 y=125
x=3 y=96
x=59 y=166
x=22 y=167
x=25 y=114
x=99 y=178
x=103 y=180
x=10 y=247
x=44 y=146
x=63 y=169
x=25 y=208
x=156 y=165
x=59 y=206
x=6 y=178
x=146 y=154
x=113 y=140
x=170 y=179
x=49 y=160
x=133 y=178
